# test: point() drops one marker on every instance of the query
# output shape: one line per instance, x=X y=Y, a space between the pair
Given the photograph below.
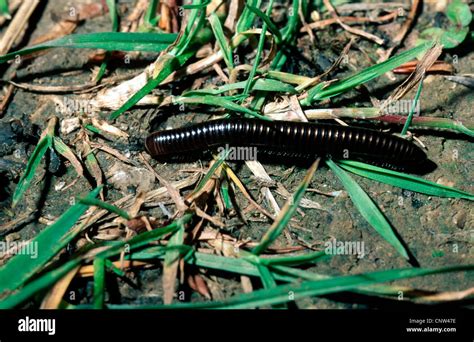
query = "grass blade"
x=170 y=265
x=46 y=142
x=150 y=14
x=403 y=180
x=290 y=292
x=107 y=206
x=267 y=20
x=99 y=283
x=368 y=208
x=4 y=10
x=220 y=102
x=221 y=40
x=261 y=84
x=110 y=41
x=412 y=109
x=115 y=25
x=318 y=93
x=33 y=162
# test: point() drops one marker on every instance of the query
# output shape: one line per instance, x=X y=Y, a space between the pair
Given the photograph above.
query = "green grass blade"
x=115 y=25
x=403 y=180
x=107 y=206
x=220 y=159
x=268 y=21
x=293 y=260
x=4 y=10
x=150 y=14
x=412 y=109
x=247 y=266
x=171 y=263
x=290 y=292
x=49 y=242
x=110 y=41
x=195 y=22
x=266 y=276
x=261 y=84
x=219 y=102
x=221 y=40
x=317 y=93
x=99 y=283
x=33 y=162
x=247 y=18
x=286 y=213
x=368 y=208
x=114 y=18
x=258 y=56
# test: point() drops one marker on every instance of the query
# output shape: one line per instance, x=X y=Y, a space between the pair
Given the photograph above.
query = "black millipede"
x=288 y=138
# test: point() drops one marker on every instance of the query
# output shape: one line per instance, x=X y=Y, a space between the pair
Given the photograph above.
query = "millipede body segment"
x=286 y=137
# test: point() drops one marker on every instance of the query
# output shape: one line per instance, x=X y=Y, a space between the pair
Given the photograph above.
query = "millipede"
x=288 y=138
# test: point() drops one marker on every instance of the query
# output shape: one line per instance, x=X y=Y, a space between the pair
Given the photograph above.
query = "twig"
x=349 y=29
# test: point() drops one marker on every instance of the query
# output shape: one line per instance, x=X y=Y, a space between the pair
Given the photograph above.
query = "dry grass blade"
x=426 y=62
x=53 y=298
x=244 y=191
x=18 y=25
x=447 y=296
x=67 y=153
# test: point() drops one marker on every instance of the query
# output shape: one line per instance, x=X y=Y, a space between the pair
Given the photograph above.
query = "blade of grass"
x=412 y=109
x=263 y=84
x=247 y=18
x=33 y=162
x=368 y=209
x=220 y=102
x=48 y=242
x=150 y=14
x=46 y=142
x=170 y=265
x=107 y=206
x=260 y=46
x=99 y=283
x=286 y=213
x=291 y=292
x=221 y=40
x=246 y=266
x=115 y=25
x=293 y=260
x=110 y=41
x=4 y=10
x=267 y=20
x=403 y=180
x=318 y=93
